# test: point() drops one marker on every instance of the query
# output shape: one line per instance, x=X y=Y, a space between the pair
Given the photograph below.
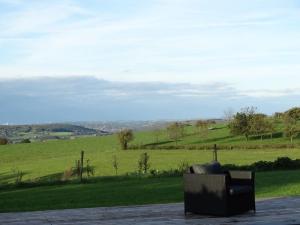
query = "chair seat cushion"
x=239 y=189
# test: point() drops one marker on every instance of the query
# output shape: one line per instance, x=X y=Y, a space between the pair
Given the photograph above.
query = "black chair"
x=210 y=191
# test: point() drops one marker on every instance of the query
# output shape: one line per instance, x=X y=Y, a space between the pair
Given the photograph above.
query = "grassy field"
x=51 y=158
x=48 y=160
x=129 y=191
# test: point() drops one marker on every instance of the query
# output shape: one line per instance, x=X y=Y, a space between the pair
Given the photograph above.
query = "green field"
x=129 y=191
x=48 y=160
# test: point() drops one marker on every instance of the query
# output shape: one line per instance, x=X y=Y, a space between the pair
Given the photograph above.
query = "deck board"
x=271 y=211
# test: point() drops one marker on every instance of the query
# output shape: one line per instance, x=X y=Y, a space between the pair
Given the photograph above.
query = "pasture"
x=47 y=161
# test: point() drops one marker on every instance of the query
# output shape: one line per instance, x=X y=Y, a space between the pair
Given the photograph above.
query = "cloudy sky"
x=203 y=55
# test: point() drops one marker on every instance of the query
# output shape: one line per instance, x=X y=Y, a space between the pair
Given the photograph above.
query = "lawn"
x=46 y=159
x=129 y=191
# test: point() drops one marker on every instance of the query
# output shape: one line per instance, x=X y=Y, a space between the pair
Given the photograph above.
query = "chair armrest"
x=242 y=177
x=206 y=183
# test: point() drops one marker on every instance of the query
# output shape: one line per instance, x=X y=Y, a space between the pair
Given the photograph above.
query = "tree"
x=278 y=115
x=241 y=123
x=124 y=137
x=143 y=163
x=202 y=127
x=175 y=131
x=293 y=113
x=157 y=131
x=290 y=126
x=3 y=141
x=259 y=125
x=271 y=126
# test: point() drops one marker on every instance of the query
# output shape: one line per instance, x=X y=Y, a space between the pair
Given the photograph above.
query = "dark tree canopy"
x=3 y=141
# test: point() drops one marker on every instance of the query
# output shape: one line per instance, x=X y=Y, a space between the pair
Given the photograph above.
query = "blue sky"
x=250 y=47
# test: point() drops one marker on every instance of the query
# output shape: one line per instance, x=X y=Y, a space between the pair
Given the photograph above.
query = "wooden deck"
x=272 y=211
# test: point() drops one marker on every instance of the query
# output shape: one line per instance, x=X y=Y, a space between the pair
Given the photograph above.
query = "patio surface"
x=272 y=211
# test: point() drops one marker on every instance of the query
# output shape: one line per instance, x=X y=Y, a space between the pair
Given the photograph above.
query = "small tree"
x=3 y=141
x=271 y=126
x=143 y=163
x=175 y=131
x=290 y=127
x=115 y=164
x=202 y=127
x=259 y=125
x=241 y=123
x=90 y=170
x=125 y=136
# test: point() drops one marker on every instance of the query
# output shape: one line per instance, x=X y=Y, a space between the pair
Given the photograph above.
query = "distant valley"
x=43 y=132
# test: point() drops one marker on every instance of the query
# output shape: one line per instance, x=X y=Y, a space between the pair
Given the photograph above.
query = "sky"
x=212 y=54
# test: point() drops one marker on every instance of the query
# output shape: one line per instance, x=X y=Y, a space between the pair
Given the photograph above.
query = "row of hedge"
x=281 y=163
x=210 y=147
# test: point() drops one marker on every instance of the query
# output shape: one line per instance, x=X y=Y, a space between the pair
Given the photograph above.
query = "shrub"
x=90 y=170
x=115 y=164
x=210 y=147
x=67 y=174
x=281 y=163
x=3 y=141
x=183 y=166
x=143 y=163
x=18 y=175
x=24 y=141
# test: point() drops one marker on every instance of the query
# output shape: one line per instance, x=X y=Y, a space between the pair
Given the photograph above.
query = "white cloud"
x=253 y=47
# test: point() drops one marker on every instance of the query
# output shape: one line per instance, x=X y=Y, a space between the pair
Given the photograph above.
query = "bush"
x=281 y=163
x=18 y=175
x=3 y=141
x=115 y=164
x=183 y=166
x=67 y=174
x=210 y=147
x=24 y=141
x=143 y=163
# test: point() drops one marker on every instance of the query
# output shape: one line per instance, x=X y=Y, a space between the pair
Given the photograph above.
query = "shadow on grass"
x=102 y=192
x=158 y=143
x=9 y=177
x=268 y=136
x=212 y=140
x=51 y=177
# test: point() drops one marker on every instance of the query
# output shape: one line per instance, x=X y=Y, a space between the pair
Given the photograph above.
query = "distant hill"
x=17 y=133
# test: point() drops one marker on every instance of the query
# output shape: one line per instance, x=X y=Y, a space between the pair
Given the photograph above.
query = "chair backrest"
x=211 y=168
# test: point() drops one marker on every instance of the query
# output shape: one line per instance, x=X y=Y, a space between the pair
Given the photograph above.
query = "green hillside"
x=45 y=162
x=46 y=159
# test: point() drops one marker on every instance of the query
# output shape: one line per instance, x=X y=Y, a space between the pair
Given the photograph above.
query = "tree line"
x=249 y=122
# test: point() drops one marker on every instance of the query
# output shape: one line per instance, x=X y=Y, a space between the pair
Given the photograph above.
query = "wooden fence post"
x=81 y=165
x=215 y=154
